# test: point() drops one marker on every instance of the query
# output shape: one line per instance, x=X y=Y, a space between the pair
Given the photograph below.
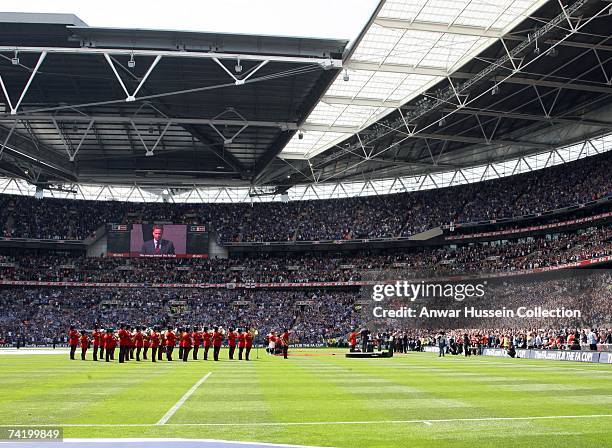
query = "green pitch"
x=414 y=400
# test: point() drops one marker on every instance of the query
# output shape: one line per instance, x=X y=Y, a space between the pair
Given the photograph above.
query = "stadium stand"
x=537 y=252
x=387 y=216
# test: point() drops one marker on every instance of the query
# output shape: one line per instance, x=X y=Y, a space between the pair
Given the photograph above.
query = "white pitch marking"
x=368 y=422
x=154 y=441
x=33 y=351
x=173 y=409
x=427 y=423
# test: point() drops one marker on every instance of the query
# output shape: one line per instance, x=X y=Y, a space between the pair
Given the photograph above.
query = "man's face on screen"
x=157 y=234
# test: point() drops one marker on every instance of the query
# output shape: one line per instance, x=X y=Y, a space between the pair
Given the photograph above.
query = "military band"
x=135 y=342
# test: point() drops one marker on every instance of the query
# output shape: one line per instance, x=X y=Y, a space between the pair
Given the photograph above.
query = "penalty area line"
x=183 y=399
x=428 y=422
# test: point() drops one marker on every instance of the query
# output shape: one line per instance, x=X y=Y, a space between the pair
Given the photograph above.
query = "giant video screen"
x=157 y=240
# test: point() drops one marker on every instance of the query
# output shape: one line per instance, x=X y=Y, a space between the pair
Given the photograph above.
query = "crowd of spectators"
x=386 y=216
x=42 y=315
x=589 y=292
x=469 y=341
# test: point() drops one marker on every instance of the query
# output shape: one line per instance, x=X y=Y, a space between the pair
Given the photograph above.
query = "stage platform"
x=381 y=354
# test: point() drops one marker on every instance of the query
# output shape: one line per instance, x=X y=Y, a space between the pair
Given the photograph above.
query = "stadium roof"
x=438 y=92
x=407 y=47
x=537 y=77
x=120 y=106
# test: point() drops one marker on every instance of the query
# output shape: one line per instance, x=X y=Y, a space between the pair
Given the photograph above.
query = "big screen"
x=157 y=240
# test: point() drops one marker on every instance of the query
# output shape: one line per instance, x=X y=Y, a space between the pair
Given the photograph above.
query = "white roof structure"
x=219 y=194
x=408 y=47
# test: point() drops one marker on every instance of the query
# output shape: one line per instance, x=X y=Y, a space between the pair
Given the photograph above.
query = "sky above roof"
x=314 y=18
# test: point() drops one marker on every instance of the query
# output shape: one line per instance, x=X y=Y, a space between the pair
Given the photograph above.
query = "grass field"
x=414 y=400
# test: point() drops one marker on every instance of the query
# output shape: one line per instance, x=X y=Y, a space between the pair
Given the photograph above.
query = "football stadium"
x=345 y=223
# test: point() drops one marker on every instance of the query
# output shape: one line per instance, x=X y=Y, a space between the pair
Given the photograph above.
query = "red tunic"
x=231 y=338
x=109 y=341
x=170 y=339
x=84 y=341
x=124 y=338
x=186 y=339
x=154 y=339
x=241 y=340
x=217 y=339
x=197 y=338
x=138 y=339
x=284 y=339
x=73 y=337
x=249 y=340
x=97 y=338
x=207 y=338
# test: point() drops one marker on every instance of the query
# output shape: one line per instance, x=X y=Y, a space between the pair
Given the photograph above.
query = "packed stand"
x=517 y=255
x=42 y=315
x=385 y=216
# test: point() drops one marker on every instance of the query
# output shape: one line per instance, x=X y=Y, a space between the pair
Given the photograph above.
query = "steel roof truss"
x=131 y=96
x=14 y=108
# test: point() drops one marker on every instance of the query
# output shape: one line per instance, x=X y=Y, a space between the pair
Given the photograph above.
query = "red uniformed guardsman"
x=154 y=338
x=186 y=341
x=248 y=344
x=110 y=342
x=146 y=343
x=207 y=336
x=97 y=344
x=170 y=343
x=124 y=343
x=162 y=345
x=138 y=342
x=73 y=340
x=197 y=341
x=217 y=341
x=132 y=342
x=84 y=344
x=284 y=341
x=180 y=342
x=231 y=342
x=241 y=343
